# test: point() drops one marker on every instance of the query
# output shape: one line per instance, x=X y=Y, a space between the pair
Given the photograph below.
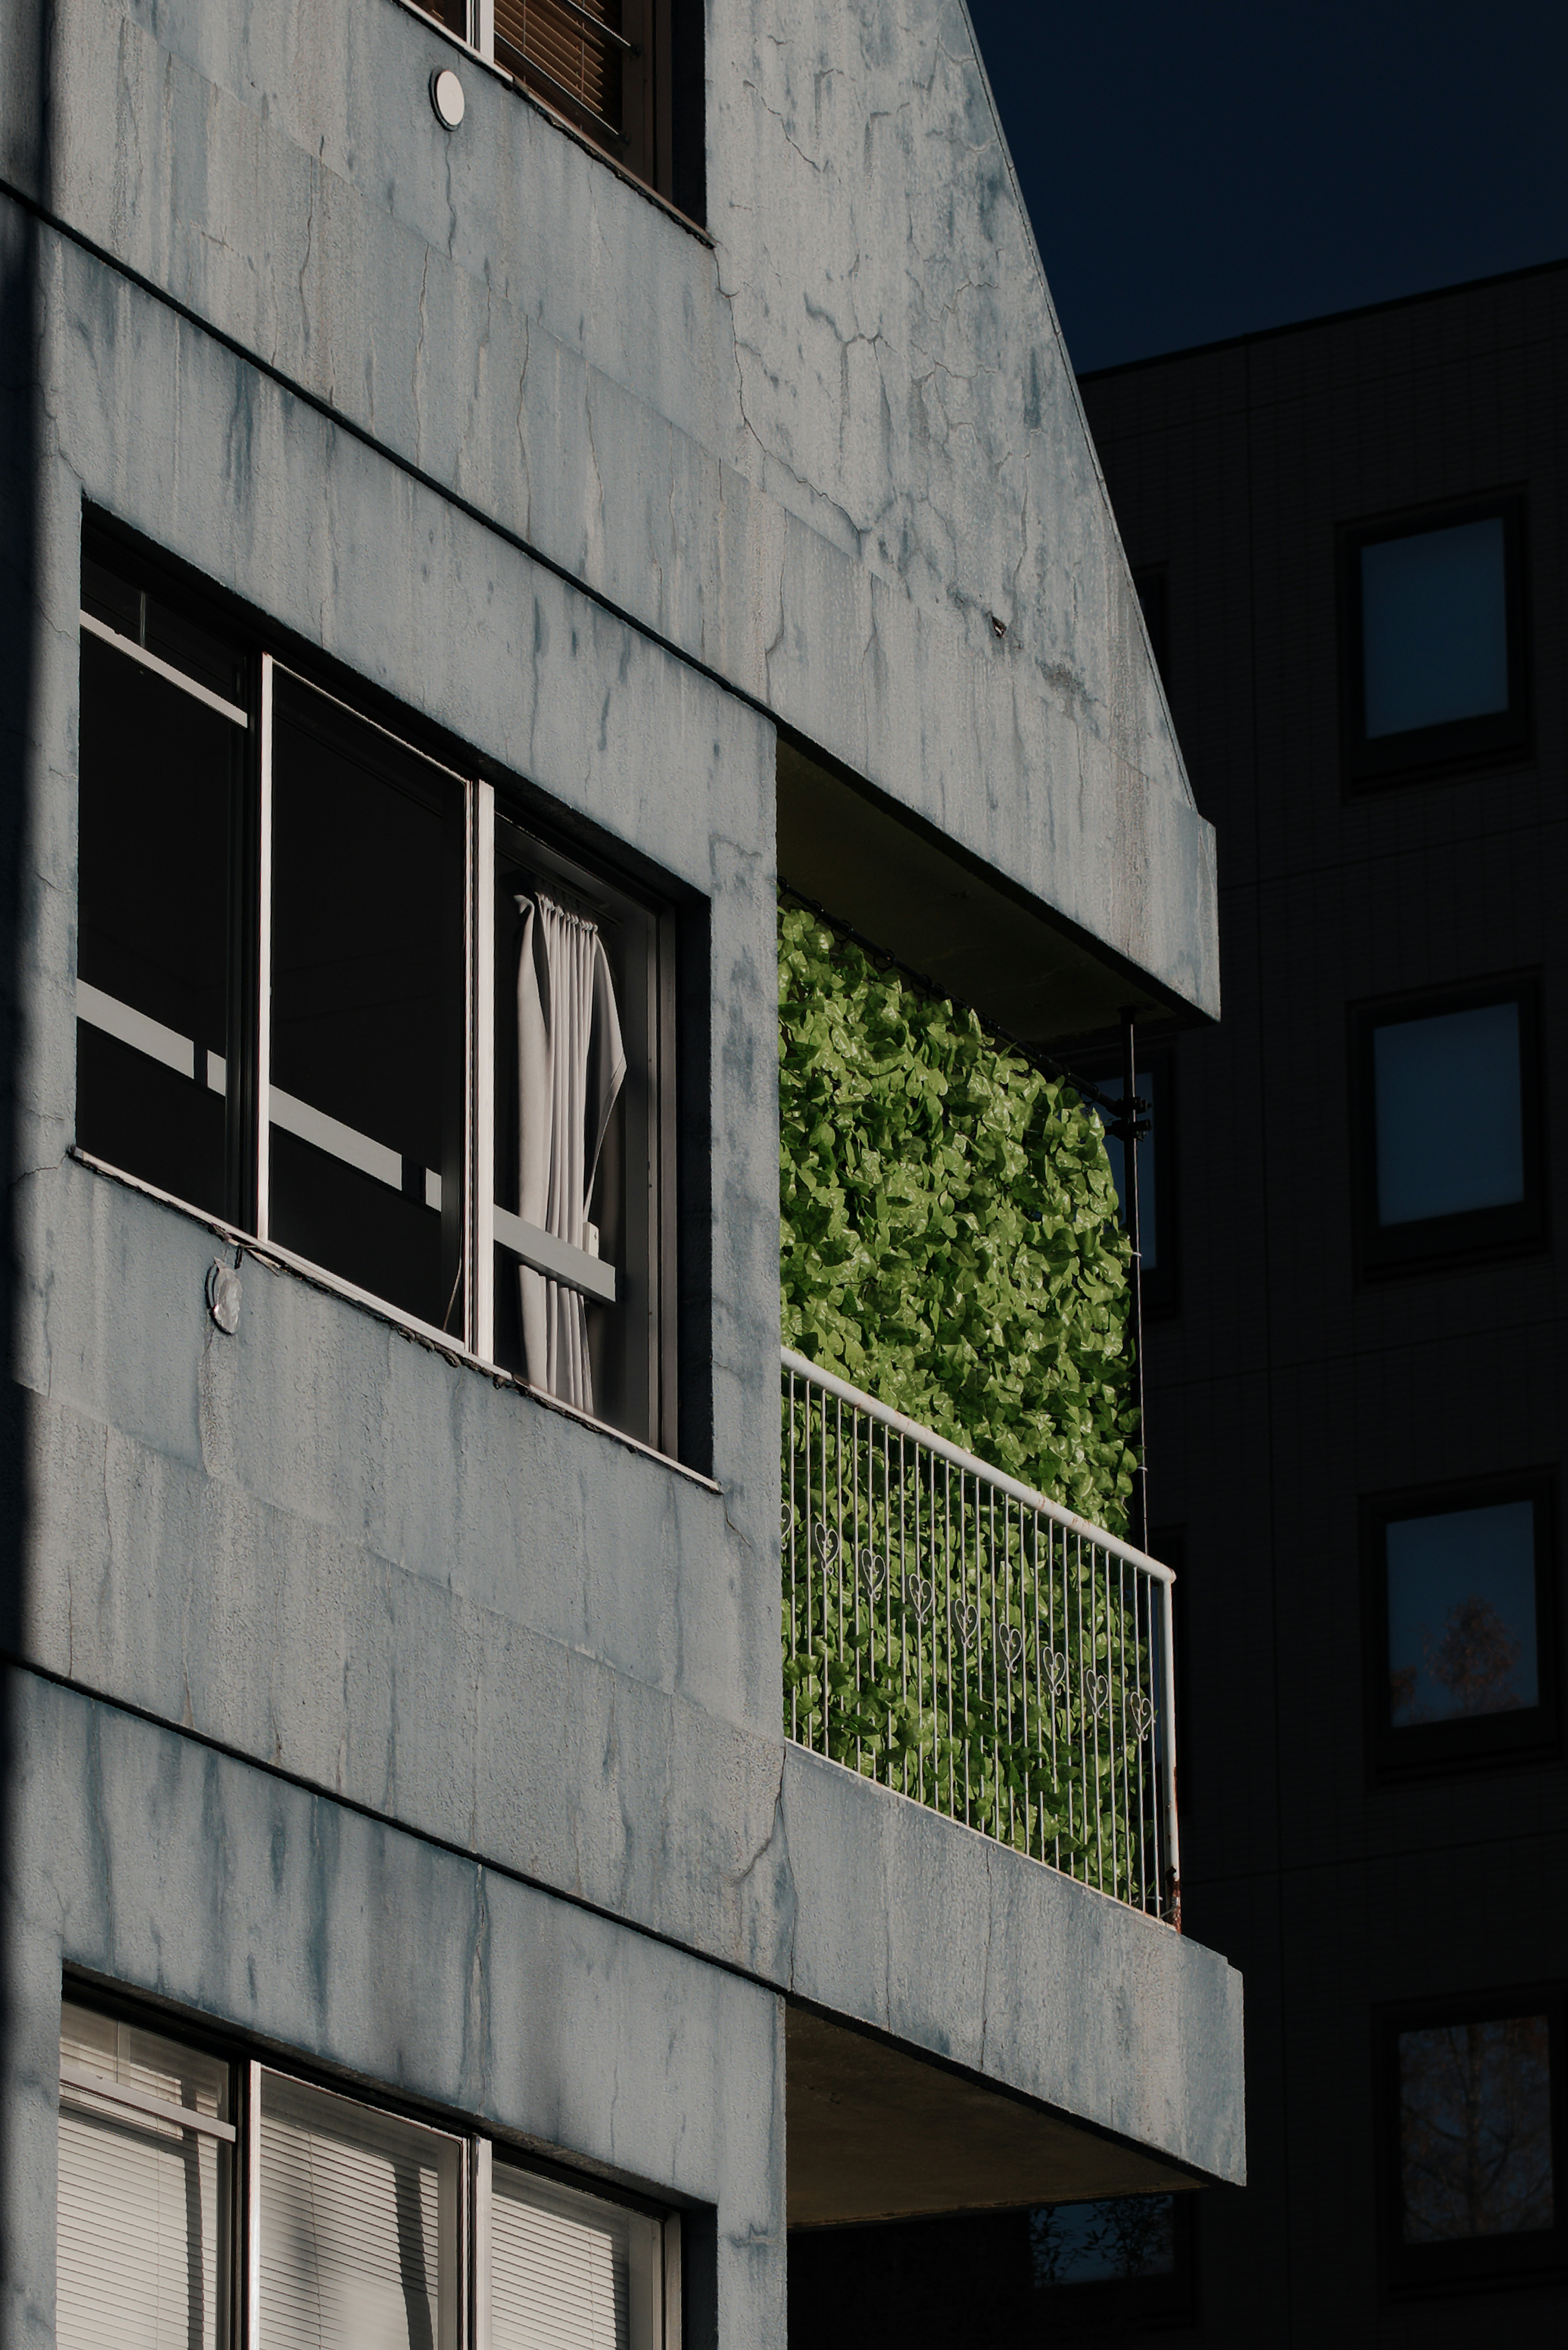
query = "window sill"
x=578 y=137
x=439 y=1342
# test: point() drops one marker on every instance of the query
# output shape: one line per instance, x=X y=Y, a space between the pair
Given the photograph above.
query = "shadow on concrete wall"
x=20 y=568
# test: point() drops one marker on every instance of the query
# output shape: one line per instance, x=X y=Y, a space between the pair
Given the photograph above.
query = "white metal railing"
x=951 y=1632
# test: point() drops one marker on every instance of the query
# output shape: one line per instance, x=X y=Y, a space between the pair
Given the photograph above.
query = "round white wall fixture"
x=446 y=97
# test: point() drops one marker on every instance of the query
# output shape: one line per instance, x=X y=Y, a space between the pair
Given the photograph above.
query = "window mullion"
x=250 y=2205
x=482 y=1066
x=479 y=2237
x=263 y=951
x=482 y=27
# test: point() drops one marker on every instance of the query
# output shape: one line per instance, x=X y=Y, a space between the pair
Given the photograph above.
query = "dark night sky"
x=1203 y=168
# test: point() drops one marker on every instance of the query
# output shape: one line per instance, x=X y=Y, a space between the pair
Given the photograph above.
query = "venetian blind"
x=568 y=2271
x=358 y=2224
x=543 y=40
x=143 y=2199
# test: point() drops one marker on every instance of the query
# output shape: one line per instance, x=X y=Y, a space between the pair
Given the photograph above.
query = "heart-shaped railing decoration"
x=1011 y=1646
x=826 y=1541
x=966 y=1623
x=1056 y=1671
x=1099 y=1692
x=872 y=1574
x=920 y=1599
x=1142 y=1714
x=786 y=1519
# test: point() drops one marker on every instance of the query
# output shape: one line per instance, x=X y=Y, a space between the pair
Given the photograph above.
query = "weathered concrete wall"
x=818 y=456
x=144 y=1858
x=483 y=425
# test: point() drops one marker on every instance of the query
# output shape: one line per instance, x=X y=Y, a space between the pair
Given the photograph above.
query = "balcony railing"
x=952 y=1633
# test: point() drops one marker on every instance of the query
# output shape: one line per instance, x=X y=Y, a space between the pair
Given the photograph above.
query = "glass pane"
x=358 y=2226
x=158 y=770
x=570 y=2271
x=142 y=2226
x=368 y=1038
x=576 y=1155
x=1461 y=1613
x=1128 y=2237
x=1116 y=1152
x=1435 y=626
x=1451 y=1133
x=1474 y=2130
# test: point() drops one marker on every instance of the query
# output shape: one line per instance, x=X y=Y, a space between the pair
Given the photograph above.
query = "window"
x=1155 y=1084
x=1434 y=666
x=1450 y=1126
x=1089 y=2272
x=626 y=73
x=347 y=2227
x=1472 y=2114
x=1462 y=1625
x=347 y=997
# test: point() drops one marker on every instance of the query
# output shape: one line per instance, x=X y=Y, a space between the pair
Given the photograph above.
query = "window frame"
x=1372 y=762
x=1439 y=1749
x=1482 y=2263
x=268 y=659
x=663 y=153
x=1471 y=1235
x=478 y=2150
x=1161 y=1286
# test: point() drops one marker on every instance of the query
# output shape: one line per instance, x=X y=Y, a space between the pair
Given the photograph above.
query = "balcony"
x=954 y=1635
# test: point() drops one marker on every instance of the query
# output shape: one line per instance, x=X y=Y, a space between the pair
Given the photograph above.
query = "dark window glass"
x=1473 y=2121
x=1116 y=1152
x=1434 y=620
x=1462 y=1645
x=1089 y=2273
x=1449 y=1111
x=159 y=770
x=1434 y=639
x=1475 y=2129
x=1461 y=1614
x=367 y=1051
x=1126 y=2240
x=1452 y=1126
x=1153 y=1084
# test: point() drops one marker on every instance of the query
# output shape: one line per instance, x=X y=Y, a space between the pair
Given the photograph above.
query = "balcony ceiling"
x=875 y=2133
x=876 y=869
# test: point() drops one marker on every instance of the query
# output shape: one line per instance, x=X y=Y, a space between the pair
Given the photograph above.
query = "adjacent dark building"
x=1350 y=539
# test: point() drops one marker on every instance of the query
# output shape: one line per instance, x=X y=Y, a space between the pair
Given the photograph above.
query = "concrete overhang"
x=876 y=2134
x=914 y=892
x=969 y=2029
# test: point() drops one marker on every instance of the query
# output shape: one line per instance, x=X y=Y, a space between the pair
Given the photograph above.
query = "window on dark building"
x=1473 y=2122
x=1434 y=640
x=343 y=995
x=1461 y=1624
x=627 y=74
x=1449 y=1125
x=1156 y=1084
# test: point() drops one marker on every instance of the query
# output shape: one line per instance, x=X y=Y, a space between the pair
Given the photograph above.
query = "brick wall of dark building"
x=1294 y=1381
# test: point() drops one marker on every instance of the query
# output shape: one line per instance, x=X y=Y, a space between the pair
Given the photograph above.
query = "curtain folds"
x=571 y=1064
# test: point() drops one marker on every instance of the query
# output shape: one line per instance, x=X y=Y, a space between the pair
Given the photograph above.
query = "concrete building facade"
x=379 y=1725
x=1359 y=1317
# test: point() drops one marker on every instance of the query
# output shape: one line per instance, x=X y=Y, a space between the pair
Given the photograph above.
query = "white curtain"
x=571 y=1064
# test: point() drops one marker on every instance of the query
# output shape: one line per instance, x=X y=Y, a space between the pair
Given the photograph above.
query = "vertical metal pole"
x=1128 y=1127
x=479 y=2233
x=1172 y=1842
